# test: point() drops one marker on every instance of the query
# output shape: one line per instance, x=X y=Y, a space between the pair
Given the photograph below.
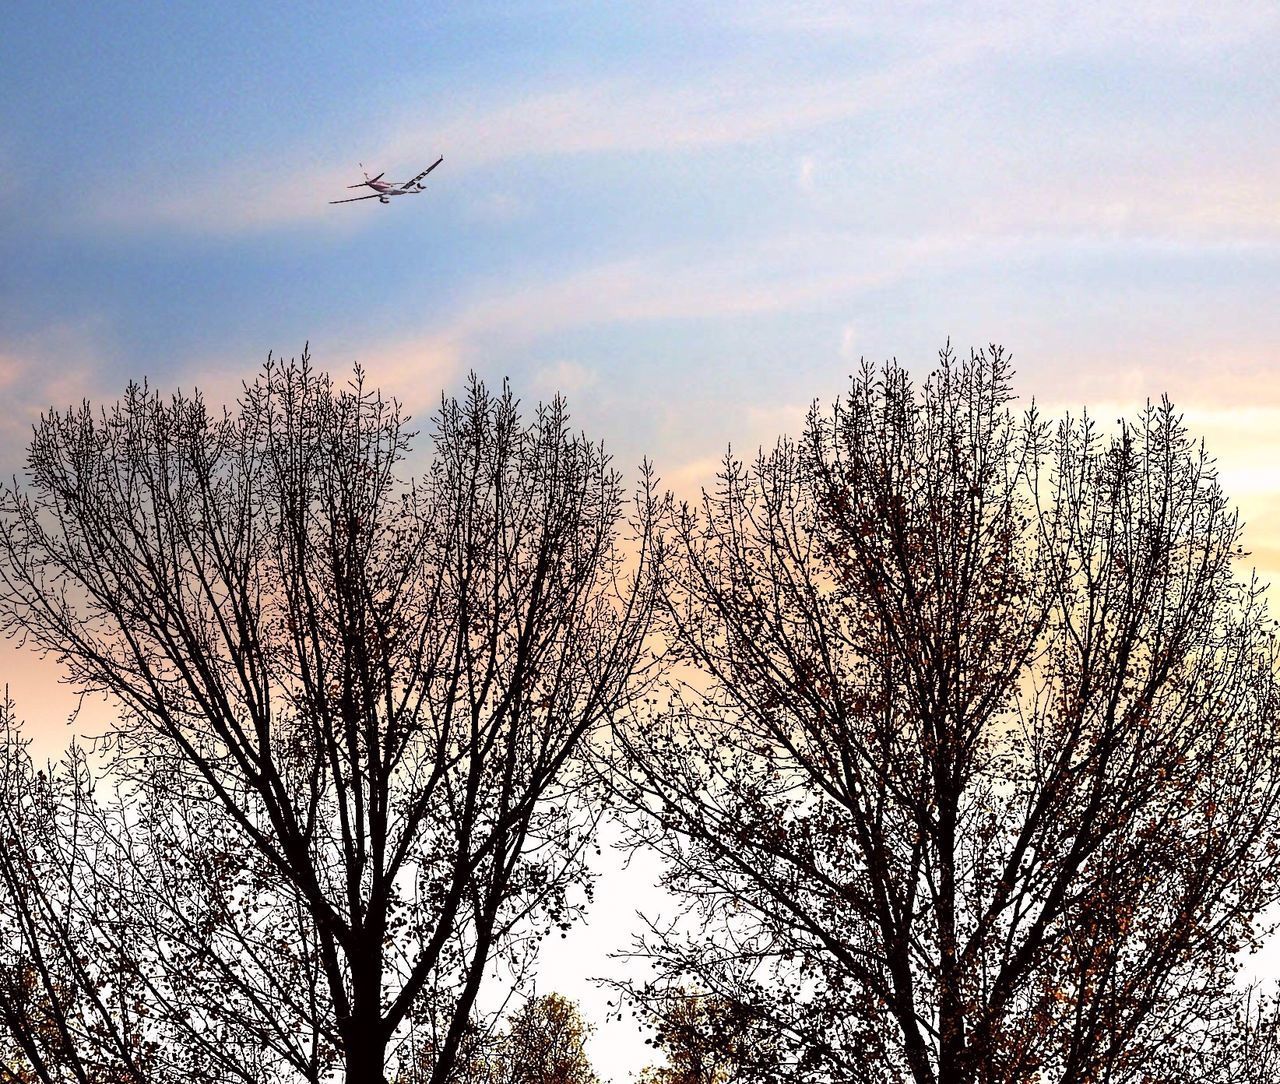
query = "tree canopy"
x=955 y=726
x=973 y=771
x=377 y=693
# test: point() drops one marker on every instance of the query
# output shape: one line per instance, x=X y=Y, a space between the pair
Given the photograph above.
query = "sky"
x=691 y=218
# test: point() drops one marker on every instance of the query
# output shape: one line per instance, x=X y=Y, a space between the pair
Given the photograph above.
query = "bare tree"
x=1251 y=1052
x=65 y=1013
x=1245 y=1049
x=91 y=988
x=975 y=775
x=384 y=687
x=219 y=945
x=544 y=1043
x=707 y=1040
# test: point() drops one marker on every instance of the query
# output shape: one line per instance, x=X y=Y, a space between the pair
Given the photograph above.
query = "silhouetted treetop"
x=975 y=775
x=383 y=685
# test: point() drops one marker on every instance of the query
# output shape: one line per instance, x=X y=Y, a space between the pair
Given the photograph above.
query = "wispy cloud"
x=1202 y=200
x=849 y=342
x=623 y=114
x=806 y=173
x=414 y=368
x=919 y=53
x=55 y=367
x=1174 y=27
x=565 y=378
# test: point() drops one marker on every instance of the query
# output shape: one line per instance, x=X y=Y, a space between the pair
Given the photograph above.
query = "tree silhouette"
x=56 y=1020
x=376 y=691
x=92 y=988
x=544 y=1044
x=1242 y=1049
x=706 y=1040
x=974 y=775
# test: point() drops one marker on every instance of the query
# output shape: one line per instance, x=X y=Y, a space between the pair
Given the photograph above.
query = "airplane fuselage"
x=386 y=191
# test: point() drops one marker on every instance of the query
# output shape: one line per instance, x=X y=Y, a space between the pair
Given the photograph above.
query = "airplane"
x=384 y=190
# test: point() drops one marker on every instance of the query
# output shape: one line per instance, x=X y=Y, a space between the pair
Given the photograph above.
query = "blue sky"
x=692 y=221
x=692 y=218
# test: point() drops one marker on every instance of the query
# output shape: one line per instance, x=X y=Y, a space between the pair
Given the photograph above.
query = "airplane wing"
x=410 y=184
x=355 y=199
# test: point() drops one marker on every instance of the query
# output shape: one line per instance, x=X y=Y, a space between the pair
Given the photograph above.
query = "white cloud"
x=495 y=208
x=564 y=377
x=805 y=174
x=1171 y=27
x=849 y=342
x=55 y=367
x=790 y=274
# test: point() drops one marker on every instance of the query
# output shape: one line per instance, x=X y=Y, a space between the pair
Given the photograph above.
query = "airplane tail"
x=367 y=179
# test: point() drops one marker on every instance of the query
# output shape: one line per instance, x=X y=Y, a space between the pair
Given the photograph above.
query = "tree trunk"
x=952 y=1056
x=365 y=1038
x=366 y=1052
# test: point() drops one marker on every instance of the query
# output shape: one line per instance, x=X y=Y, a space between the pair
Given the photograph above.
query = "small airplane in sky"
x=384 y=190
